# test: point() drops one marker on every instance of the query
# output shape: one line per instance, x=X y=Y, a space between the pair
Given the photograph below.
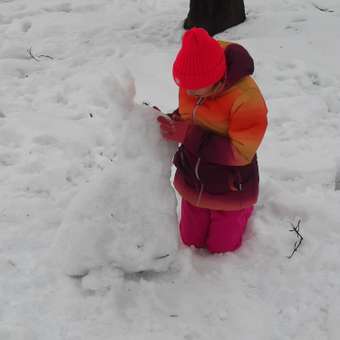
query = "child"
x=220 y=123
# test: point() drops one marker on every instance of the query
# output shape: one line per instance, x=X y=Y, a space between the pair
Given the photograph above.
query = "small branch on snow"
x=45 y=56
x=12 y=263
x=30 y=53
x=296 y=229
x=322 y=9
x=162 y=257
x=337 y=174
x=153 y=106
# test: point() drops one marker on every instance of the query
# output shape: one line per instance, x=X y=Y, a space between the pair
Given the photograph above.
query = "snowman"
x=125 y=217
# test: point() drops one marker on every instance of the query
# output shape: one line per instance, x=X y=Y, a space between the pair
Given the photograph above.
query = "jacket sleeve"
x=246 y=129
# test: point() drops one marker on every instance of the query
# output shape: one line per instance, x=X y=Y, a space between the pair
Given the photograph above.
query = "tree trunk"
x=215 y=15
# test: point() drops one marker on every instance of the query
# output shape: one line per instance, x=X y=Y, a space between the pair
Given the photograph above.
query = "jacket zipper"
x=239 y=179
x=199 y=102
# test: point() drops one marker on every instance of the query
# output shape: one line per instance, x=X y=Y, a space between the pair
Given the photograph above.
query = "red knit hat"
x=200 y=62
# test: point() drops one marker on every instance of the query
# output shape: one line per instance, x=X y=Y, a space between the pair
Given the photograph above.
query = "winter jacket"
x=217 y=164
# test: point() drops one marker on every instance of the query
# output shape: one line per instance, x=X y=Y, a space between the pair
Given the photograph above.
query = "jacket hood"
x=239 y=64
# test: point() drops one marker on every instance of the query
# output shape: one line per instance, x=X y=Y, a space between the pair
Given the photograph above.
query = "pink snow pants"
x=218 y=231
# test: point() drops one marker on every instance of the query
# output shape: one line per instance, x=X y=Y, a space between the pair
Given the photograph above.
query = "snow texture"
x=85 y=186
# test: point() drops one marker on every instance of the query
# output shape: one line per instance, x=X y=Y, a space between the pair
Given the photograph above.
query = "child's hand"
x=174 y=115
x=174 y=130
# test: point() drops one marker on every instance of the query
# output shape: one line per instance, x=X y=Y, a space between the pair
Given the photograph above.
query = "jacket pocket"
x=215 y=178
x=219 y=179
x=185 y=163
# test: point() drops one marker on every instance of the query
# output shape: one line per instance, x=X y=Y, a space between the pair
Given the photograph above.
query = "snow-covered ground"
x=65 y=87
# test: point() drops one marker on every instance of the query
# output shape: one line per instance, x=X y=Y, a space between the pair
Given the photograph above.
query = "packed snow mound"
x=125 y=216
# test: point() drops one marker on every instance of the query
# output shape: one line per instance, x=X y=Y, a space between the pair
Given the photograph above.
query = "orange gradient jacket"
x=216 y=164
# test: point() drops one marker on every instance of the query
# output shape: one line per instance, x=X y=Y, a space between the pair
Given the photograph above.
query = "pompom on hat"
x=200 y=62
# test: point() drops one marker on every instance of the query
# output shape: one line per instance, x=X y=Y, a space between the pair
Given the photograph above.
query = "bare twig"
x=162 y=257
x=322 y=9
x=296 y=229
x=36 y=58
x=45 y=56
x=12 y=263
x=31 y=54
x=337 y=173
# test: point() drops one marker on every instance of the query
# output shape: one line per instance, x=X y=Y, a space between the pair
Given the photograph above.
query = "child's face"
x=205 y=91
